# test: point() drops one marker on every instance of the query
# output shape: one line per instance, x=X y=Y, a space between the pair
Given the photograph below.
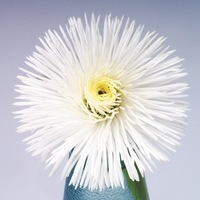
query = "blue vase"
x=132 y=191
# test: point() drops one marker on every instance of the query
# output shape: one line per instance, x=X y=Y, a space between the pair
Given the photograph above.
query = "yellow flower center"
x=102 y=97
x=102 y=89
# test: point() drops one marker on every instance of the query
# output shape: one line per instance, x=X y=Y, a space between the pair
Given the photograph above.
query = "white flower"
x=94 y=99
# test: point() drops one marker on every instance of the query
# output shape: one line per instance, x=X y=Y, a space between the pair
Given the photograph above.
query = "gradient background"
x=22 y=22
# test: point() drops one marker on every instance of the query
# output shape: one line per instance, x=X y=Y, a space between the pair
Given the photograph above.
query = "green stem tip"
x=137 y=188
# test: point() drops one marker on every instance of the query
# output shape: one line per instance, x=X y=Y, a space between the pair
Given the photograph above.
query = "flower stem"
x=137 y=188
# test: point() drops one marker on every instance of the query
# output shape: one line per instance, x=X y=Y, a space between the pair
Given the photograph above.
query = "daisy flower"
x=96 y=99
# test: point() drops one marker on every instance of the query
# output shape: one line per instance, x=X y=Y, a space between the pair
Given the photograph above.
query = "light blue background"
x=23 y=22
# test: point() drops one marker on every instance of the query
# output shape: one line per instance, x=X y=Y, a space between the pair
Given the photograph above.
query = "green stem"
x=137 y=188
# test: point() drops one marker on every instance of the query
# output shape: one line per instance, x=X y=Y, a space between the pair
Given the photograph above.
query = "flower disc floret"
x=102 y=97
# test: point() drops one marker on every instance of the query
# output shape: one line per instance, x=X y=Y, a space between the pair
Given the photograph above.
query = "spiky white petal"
x=95 y=99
